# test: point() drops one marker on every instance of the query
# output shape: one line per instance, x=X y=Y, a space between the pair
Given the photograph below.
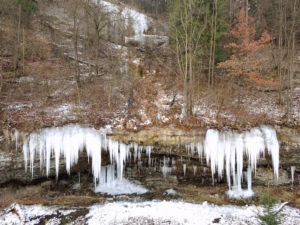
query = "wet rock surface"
x=167 y=143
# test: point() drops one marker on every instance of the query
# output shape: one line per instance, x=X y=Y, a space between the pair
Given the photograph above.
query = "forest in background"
x=220 y=51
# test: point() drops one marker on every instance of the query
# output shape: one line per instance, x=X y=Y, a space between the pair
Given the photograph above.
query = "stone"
x=148 y=41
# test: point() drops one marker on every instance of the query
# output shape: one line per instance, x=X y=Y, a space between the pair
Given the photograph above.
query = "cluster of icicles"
x=223 y=151
x=227 y=150
x=70 y=141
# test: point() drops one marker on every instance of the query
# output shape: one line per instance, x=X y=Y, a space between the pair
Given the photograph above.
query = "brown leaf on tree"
x=243 y=62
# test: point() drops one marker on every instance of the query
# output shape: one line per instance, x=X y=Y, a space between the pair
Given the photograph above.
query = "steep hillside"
x=130 y=82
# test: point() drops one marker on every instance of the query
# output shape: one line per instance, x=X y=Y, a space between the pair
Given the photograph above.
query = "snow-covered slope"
x=140 y=22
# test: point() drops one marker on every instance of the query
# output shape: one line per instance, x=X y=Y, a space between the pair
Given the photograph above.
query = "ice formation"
x=16 y=138
x=195 y=170
x=293 y=169
x=70 y=141
x=225 y=151
x=184 y=169
x=166 y=169
x=111 y=185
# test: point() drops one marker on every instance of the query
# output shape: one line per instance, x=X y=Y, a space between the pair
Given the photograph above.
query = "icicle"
x=199 y=150
x=148 y=151
x=32 y=148
x=272 y=146
x=184 y=169
x=239 y=147
x=25 y=154
x=254 y=146
x=293 y=169
x=195 y=170
x=135 y=149
x=165 y=169
x=191 y=149
x=173 y=162
x=140 y=149
x=210 y=149
x=122 y=160
x=249 y=179
x=220 y=155
x=16 y=138
x=69 y=142
x=220 y=147
x=228 y=154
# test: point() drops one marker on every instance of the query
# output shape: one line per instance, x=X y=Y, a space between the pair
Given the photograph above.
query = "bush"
x=37 y=48
x=269 y=216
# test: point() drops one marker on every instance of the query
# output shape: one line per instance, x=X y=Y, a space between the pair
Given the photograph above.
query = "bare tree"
x=190 y=22
x=99 y=19
x=17 y=45
x=286 y=24
x=291 y=57
x=212 y=52
x=74 y=8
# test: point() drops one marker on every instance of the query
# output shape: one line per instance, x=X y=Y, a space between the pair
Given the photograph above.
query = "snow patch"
x=174 y=213
x=29 y=215
x=140 y=22
x=171 y=192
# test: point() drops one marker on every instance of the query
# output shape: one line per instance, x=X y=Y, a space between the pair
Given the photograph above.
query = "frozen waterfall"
x=69 y=142
x=225 y=152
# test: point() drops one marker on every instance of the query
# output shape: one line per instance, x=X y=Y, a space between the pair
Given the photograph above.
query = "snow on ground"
x=120 y=187
x=171 y=192
x=149 y=212
x=163 y=212
x=29 y=215
x=163 y=104
x=64 y=109
x=19 y=106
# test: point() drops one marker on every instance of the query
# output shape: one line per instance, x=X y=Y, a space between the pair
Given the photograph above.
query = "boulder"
x=148 y=41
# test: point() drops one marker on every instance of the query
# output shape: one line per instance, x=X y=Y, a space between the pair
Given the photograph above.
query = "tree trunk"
x=211 y=48
x=16 y=63
x=1 y=77
x=214 y=43
x=23 y=51
x=280 y=52
x=246 y=9
x=291 y=64
x=75 y=42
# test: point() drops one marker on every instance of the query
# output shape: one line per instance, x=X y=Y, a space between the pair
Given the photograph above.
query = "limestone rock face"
x=149 y=41
x=168 y=142
x=289 y=146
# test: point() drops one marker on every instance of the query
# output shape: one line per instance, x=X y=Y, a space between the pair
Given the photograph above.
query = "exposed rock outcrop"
x=168 y=142
x=147 y=41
